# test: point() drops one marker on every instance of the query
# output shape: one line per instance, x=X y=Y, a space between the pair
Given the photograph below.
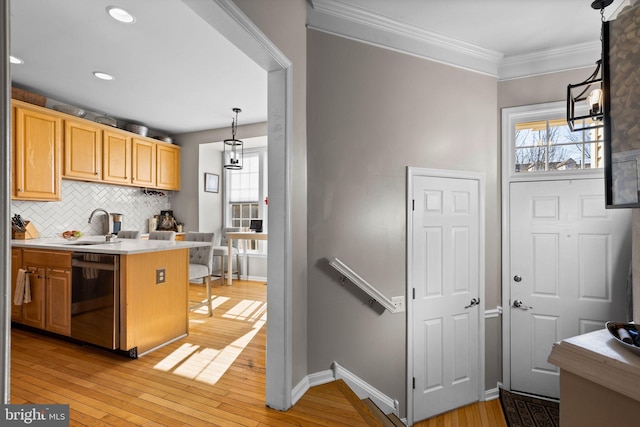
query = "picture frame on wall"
x=211 y=182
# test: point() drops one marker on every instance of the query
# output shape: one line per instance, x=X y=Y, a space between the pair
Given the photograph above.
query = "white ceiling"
x=175 y=73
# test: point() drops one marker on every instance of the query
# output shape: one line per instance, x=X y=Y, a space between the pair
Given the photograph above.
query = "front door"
x=445 y=268
x=569 y=264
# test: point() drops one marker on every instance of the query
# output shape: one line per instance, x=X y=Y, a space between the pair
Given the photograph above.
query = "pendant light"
x=233 y=148
x=588 y=96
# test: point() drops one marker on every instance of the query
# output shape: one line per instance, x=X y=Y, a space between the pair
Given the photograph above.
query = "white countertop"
x=597 y=357
x=97 y=244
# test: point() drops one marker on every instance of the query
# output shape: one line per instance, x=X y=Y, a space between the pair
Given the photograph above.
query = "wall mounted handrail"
x=394 y=305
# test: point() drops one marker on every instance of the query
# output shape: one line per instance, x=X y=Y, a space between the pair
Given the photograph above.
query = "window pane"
x=549 y=145
x=531 y=159
x=530 y=137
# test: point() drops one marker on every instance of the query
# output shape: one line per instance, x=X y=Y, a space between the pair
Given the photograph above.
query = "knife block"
x=30 y=232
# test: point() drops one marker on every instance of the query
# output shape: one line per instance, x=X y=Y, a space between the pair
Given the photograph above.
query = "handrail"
x=394 y=305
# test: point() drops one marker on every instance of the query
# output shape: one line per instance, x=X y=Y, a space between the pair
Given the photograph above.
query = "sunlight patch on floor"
x=176 y=357
x=246 y=310
x=208 y=365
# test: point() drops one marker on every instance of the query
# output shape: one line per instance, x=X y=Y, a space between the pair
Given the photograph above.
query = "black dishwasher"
x=95 y=299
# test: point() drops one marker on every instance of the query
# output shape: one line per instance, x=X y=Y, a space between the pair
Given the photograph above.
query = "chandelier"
x=585 y=107
x=233 y=148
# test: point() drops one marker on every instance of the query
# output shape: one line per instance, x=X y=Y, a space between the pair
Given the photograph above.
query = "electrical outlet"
x=399 y=303
x=161 y=276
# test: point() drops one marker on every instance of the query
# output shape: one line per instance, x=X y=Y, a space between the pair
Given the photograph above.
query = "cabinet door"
x=37 y=151
x=58 y=301
x=16 y=264
x=82 y=150
x=33 y=312
x=168 y=176
x=116 y=164
x=144 y=163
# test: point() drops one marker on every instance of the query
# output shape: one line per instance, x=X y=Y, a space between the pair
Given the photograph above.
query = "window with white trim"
x=246 y=195
x=548 y=145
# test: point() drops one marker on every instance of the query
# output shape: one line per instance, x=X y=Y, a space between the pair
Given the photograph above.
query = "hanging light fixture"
x=233 y=148
x=588 y=96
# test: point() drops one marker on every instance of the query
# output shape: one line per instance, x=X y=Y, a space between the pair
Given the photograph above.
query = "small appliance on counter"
x=117 y=222
x=166 y=221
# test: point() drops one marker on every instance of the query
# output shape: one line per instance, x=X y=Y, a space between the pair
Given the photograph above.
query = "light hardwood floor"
x=213 y=377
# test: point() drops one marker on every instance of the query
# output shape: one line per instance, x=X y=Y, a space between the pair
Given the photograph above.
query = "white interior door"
x=569 y=263
x=446 y=272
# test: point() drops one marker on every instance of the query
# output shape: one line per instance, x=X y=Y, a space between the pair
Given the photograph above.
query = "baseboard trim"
x=364 y=390
x=492 y=394
x=359 y=387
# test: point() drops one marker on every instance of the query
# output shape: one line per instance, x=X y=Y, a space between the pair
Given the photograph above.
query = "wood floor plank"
x=213 y=377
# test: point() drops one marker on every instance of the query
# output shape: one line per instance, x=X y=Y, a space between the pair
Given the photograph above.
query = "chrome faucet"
x=109 y=227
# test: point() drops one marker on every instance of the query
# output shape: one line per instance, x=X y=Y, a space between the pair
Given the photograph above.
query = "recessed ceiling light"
x=103 y=76
x=15 y=60
x=121 y=15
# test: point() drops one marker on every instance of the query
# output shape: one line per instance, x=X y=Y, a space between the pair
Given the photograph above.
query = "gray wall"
x=371 y=113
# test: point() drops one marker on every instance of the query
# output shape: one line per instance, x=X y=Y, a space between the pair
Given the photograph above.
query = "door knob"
x=474 y=301
x=519 y=304
x=517 y=278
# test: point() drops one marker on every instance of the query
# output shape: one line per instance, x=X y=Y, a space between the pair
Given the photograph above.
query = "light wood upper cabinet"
x=82 y=150
x=144 y=163
x=168 y=173
x=37 y=154
x=49 y=145
x=116 y=164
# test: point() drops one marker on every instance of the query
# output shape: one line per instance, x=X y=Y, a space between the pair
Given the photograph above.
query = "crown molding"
x=550 y=61
x=351 y=22
x=347 y=21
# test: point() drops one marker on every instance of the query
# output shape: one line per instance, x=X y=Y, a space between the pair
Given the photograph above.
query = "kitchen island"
x=150 y=291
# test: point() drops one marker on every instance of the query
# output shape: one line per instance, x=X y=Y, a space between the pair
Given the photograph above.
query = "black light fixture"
x=233 y=148
x=588 y=96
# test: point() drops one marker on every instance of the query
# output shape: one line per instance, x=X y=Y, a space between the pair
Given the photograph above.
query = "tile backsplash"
x=79 y=199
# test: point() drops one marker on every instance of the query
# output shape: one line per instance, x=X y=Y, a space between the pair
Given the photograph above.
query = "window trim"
x=530 y=113
x=263 y=211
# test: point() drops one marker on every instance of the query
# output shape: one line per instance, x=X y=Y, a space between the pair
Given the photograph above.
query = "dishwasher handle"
x=96 y=265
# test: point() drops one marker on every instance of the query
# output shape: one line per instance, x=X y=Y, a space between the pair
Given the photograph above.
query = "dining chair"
x=162 y=235
x=222 y=251
x=200 y=265
x=129 y=234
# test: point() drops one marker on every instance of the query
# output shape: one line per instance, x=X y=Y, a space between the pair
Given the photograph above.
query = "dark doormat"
x=526 y=411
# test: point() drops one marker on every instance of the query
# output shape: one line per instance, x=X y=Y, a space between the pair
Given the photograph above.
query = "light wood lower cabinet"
x=50 y=282
x=58 y=301
x=16 y=264
x=33 y=312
